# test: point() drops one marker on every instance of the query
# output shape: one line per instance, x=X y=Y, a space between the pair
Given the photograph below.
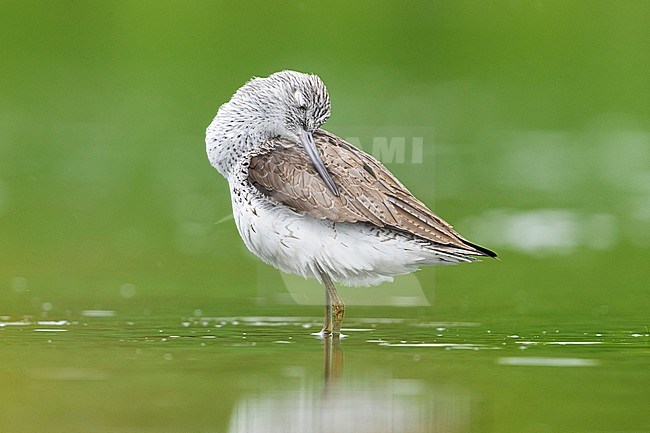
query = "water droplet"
x=127 y=290
x=19 y=285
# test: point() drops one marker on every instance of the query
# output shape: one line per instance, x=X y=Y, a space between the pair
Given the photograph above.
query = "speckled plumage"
x=309 y=203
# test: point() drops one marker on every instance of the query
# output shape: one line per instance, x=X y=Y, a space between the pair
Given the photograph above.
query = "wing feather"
x=368 y=192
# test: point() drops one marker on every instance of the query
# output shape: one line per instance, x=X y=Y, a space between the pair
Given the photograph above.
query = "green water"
x=128 y=302
x=200 y=373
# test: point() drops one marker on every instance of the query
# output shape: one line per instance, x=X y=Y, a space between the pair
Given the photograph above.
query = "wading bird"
x=311 y=204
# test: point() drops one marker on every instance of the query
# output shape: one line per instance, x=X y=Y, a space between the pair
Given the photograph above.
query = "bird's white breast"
x=351 y=253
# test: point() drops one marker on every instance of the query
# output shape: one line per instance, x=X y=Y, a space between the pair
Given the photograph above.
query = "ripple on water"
x=547 y=362
x=443 y=345
x=574 y=343
x=98 y=313
x=387 y=332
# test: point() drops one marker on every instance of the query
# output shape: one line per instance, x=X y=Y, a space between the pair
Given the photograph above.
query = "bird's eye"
x=300 y=100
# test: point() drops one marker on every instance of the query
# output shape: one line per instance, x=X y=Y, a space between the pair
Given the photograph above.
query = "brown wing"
x=368 y=191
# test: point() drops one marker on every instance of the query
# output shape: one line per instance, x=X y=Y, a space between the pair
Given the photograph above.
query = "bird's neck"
x=234 y=136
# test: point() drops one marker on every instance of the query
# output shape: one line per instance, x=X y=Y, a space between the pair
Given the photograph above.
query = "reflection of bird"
x=311 y=204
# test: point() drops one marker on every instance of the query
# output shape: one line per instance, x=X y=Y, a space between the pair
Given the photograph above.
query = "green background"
x=536 y=145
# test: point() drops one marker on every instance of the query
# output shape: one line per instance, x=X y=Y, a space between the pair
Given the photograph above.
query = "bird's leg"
x=327 y=322
x=338 y=310
x=334 y=307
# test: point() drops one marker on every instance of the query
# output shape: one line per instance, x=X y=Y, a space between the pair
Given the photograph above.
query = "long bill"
x=310 y=147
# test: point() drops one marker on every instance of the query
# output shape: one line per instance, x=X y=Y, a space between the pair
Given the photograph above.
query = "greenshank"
x=309 y=203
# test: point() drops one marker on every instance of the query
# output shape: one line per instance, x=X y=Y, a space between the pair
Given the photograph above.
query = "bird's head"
x=302 y=100
x=286 y=104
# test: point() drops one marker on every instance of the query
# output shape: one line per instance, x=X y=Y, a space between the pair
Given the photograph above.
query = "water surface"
x=104 y=372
